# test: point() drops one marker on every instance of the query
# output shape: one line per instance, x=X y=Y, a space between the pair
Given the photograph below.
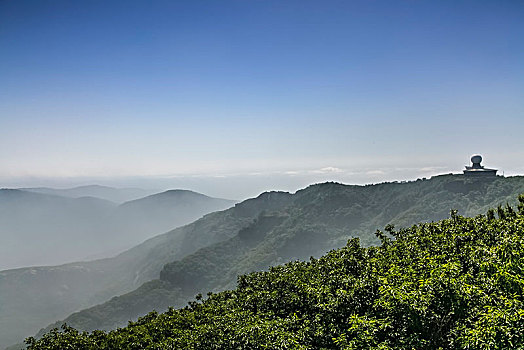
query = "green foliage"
x=452 y=284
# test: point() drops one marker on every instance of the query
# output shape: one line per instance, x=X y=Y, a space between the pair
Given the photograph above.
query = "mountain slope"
x=32 y=225
x=53 y=229
x=313 y=220
x=163 y=211
x=35 y=296
x=452 y=284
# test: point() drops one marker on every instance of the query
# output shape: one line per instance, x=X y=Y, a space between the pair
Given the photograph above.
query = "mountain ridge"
x=312 y=221
x=450 y=284
x=117 y=195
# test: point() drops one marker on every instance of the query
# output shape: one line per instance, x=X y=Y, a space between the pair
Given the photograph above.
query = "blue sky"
x=237 y=97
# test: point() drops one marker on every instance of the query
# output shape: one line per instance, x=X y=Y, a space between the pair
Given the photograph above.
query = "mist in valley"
x=43 y=227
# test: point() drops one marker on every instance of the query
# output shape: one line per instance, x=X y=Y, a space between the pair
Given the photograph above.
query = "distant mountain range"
x=47 y=228
x=36 y=227
x=116 y=195
x=208 y=254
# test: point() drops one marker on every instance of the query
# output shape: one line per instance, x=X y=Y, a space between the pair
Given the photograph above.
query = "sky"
x=232 y=98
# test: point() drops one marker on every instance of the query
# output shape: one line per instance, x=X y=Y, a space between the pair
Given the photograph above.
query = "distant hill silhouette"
x=40 y=228
x=52 y=229
x=117 y=195
x=164 y=211
x=35 y=227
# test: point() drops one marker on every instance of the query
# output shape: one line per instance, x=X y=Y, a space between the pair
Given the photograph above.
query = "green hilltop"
x=451 y=284
x=278 y=227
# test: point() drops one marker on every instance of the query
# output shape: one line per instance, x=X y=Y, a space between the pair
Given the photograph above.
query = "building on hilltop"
x=477 y=170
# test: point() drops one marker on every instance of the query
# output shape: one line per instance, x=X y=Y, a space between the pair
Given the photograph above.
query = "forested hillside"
x=451 y=284
x=307 y=223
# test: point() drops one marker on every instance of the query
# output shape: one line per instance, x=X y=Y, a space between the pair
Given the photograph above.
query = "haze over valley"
x=44 y=227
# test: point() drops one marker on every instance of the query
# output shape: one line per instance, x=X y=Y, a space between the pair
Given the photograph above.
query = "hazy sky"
x=235 y=97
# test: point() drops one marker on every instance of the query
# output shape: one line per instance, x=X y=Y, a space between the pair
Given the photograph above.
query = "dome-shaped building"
x=478 y=170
